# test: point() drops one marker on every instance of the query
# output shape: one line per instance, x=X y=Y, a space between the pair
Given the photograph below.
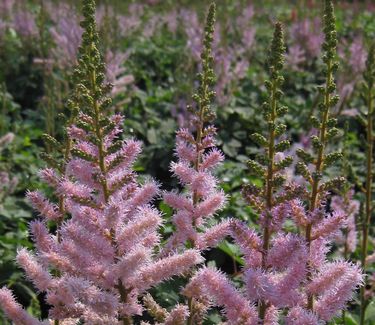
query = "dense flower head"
x=214 y=285
x=197 y=159
x=104 y=253
x=286 y=270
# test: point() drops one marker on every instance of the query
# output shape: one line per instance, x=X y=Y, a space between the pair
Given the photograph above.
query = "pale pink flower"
x=214 y=285
x=177 y=316
x=212 y=236
x=34 y=271
x=334 y=286
x=272 y=316
x=43 y=206
x=165 y=268
x=41 y=236
x=15 y=311
x=300 y=316
x=329 y=225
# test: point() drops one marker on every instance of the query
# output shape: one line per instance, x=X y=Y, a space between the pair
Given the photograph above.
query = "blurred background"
x=152 y=51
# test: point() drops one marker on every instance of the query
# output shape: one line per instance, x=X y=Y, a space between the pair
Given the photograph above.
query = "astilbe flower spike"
x=271 y=172
x=285 y=272
x=271 y=203
x=102 y=256
x=197 y=158
x=261 y=286
x=318 y=226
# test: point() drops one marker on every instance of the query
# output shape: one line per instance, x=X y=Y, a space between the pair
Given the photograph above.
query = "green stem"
x=269 y=189
x=127 y=320
x=198 y=142
x=368 y=210
x=68 y=145
x=318 y=170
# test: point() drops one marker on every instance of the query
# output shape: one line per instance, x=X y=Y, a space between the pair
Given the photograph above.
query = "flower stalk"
x=326 y=130
x=275 y=61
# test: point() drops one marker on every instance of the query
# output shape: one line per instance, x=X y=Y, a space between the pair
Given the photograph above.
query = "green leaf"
x=151 y=136
x=232 y=250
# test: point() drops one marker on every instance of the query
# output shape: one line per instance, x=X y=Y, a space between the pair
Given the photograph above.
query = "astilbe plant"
x=319 y=227
x=288 y=271
x=197 y=158
x=240 y=309
x=102 y=256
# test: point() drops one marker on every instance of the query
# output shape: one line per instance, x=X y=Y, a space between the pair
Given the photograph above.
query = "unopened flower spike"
x=272 y=170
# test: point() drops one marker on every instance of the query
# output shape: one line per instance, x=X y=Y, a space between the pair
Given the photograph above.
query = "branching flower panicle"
x=197 y=157
x=282 y=270
x=104 y=254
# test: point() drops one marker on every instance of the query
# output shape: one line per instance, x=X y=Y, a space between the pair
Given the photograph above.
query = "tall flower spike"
x=271 y=170
x=369 y=94
x=197 y=156
x=103 y=258
x=326 y=131
x=280 y=266
x=271 y=283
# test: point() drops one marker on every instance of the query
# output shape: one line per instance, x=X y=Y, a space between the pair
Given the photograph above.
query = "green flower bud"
x=331 y=158
x=255 y=168
x=315 y=122
x=302 y=170
x=282 y=146
x=259 y=139
x=304 y=156
x=332 y=133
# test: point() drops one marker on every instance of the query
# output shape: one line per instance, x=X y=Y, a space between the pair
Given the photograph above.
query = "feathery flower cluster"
x=103 y=255
x=197 y=158
x=284 y=270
